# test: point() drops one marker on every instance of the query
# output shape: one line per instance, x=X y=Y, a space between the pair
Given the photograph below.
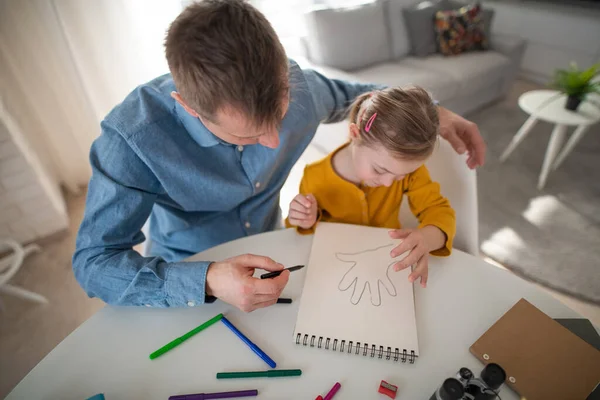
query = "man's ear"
x=187 y=108
x=354 y=132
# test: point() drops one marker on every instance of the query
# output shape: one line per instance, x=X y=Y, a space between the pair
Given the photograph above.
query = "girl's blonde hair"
x=406 y=124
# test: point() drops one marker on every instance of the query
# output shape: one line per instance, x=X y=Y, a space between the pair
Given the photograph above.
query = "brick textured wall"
x=27 y=212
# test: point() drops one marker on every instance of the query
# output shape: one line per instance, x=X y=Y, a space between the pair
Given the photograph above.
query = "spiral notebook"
x=353 y=301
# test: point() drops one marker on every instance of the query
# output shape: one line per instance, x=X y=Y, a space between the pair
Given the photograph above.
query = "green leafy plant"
x=577 y=83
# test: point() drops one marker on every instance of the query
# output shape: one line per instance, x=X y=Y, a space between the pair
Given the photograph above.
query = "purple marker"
x=333 y=391
x=220 y=395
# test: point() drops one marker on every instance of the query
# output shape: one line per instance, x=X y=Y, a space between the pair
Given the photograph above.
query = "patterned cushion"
x=460 y=30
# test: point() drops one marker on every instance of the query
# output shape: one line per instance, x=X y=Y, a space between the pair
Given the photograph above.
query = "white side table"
x=549 y=105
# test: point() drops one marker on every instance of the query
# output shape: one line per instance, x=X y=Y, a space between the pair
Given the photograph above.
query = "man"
x=203 y=153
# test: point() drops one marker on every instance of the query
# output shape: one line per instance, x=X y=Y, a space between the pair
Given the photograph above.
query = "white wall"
x=42 y=92
x=556 y=34
x=65 y=64
x=31 y=205
x=115 y=45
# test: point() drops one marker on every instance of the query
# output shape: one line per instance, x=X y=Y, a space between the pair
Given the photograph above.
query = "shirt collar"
x=196 y=128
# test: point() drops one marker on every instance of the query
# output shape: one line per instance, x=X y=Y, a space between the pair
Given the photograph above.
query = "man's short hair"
x=226 y=53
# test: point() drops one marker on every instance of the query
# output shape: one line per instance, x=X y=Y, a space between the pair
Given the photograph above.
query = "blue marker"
x=99 y=396
x=254 y=347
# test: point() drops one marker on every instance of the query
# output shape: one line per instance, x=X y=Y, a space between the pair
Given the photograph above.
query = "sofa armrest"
x=513 y=47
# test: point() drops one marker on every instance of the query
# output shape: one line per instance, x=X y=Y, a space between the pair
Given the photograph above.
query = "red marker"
x=333 y=391
x=319 y=397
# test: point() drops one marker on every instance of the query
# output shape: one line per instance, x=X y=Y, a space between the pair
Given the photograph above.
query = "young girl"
x=392 y=133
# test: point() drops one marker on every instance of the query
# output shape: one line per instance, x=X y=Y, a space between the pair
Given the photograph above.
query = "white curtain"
x=65 y=63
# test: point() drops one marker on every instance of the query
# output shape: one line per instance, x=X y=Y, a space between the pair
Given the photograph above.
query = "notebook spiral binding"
x=357 y=347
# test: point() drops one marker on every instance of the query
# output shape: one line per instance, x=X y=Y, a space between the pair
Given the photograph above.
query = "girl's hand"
x=303 y=211
x=419 y=242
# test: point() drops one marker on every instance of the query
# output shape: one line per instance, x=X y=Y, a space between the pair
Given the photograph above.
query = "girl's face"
x=375 y=166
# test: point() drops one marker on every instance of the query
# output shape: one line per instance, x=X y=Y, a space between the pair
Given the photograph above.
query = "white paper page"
x=334 y=305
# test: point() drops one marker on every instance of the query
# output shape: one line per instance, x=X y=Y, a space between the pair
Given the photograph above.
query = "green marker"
x=273 y=373
x=185 y=337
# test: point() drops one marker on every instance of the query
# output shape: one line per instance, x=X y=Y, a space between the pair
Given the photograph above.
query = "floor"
x=29 y=332
x=551 y=235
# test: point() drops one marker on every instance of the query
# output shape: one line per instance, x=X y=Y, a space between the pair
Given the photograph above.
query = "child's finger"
x=311 y=198
x=407 y=244
x=303 y=223
x=400 y=233
x=306 y=225
x=298 y=215
x=299 y=207
x=421 y=270
x=413 y=257
x=399 y=266
x=302 y=200
x=294 y=221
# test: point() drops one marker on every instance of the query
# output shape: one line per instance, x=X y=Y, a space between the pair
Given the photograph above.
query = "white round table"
x=549 y=105
x=109 y=352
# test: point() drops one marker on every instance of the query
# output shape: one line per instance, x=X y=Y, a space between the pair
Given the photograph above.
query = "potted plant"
x=576 y=84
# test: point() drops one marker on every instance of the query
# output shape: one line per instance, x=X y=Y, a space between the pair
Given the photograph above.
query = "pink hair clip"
x=370 y=122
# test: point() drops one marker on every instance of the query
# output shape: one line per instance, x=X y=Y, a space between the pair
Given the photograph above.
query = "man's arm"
x=332 y=97
x=120 y=197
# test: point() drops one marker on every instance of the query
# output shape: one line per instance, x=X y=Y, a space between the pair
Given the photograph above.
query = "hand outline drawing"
x=354 y=277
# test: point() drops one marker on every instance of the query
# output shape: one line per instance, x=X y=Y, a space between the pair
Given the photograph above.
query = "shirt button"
x=240 y=148
x=257 y=185
x=147 y=305
x=191 y=303
x=247 y=225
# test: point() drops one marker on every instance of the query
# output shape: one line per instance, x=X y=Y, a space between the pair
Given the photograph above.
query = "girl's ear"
x=354 y=132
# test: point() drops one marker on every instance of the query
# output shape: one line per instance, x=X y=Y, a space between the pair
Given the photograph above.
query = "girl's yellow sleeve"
x=430 y=207
x=305 y=189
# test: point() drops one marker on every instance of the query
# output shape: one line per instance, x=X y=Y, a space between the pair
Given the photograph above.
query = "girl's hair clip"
x=370 y=122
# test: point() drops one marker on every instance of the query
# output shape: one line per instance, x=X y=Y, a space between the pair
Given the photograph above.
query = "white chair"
x=458 y=183
x=9 y=265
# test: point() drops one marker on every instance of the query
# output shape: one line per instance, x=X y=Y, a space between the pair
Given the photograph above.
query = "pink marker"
x=333 y=391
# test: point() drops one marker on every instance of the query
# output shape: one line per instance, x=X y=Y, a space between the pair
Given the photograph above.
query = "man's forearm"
x=126 y=278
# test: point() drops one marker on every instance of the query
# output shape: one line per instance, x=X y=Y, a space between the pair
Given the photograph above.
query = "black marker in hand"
x=277 y=273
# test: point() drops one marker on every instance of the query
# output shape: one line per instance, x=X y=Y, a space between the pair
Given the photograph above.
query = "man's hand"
x=303 y=211
x=231 y=281
x=463 y=135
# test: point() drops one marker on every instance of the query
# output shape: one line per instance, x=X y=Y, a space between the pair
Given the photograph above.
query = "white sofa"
x=462 y=83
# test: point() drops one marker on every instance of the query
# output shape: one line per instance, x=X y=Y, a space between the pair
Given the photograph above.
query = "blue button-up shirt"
x=154 y=160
